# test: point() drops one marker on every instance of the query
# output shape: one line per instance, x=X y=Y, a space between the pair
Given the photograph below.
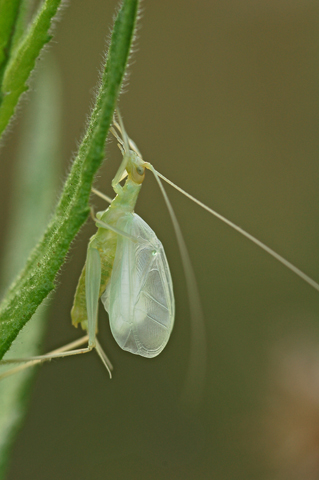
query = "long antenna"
x=195 y=381
x=257 y=242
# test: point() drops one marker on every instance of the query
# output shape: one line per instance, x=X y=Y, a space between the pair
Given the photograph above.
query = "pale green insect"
x=126 y=266
x=126 y=263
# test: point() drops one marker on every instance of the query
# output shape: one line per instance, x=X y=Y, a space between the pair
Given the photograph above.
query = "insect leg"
x=101 y=195
x=125 y=148
x=107 y=226
x=100 y=224
x=120 y=174
x=127 y=141
x=65 y=351
x=120 y=126
x=92 y=288
x=108 y=365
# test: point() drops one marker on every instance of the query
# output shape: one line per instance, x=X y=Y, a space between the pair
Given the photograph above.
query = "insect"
x=126 y=266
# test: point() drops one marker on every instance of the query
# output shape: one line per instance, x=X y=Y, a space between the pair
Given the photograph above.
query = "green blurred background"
x=223 y=99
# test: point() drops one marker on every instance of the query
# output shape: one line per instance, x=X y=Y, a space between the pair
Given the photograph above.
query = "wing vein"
x=155 y=320
x=154 y=299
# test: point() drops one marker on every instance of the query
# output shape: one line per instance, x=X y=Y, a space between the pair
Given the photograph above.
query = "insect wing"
x=140 y=298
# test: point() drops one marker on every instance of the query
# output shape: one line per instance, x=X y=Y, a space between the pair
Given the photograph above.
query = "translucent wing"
x=139 y=297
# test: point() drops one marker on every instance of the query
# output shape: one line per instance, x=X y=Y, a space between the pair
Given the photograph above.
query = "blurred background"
x=222 y=98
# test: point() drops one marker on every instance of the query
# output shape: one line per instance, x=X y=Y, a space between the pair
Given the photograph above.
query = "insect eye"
x=137 y=172
x=140 y=170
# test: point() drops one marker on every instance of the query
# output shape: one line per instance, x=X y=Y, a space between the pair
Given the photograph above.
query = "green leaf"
x=37 y=279
x=20 y=28
x=9 y=10
x=22 y=61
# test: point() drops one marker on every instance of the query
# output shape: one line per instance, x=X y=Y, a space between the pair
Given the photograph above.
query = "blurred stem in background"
x=20 y=46
x=34 y=194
